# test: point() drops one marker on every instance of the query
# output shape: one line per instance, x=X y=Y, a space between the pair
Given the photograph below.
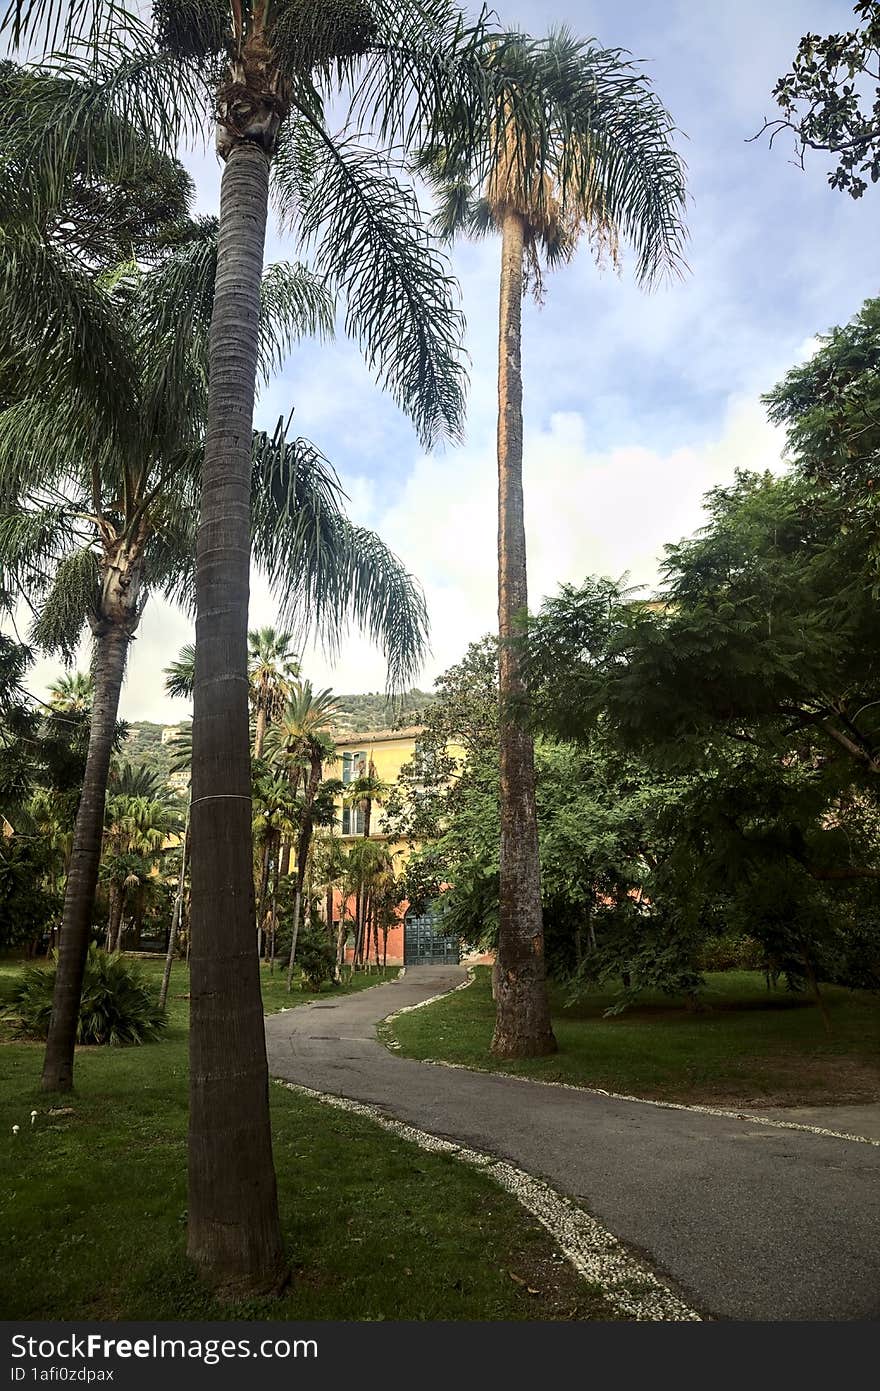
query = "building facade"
x=413 y=939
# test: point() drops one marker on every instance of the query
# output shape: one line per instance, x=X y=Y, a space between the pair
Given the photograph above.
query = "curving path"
x=751 y=1222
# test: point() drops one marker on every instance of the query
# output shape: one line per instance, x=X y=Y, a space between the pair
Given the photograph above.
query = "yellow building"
x=384 y=753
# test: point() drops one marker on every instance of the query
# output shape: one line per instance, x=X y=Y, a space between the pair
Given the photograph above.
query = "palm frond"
x=613 y=151
x=138 y=94
x=180 y=675
x=326 y=572
x=294 y=303
x=43 y=438
x=369 y=238
x=64 y=335
x=100 y=192
x=48 y=22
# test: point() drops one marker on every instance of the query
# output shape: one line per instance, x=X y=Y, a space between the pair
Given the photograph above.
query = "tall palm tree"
x=271 y=669
x=605 y=174
x=363 y=792
x=302 y=744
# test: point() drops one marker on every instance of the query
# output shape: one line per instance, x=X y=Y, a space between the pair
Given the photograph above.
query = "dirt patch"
x=786 y=1079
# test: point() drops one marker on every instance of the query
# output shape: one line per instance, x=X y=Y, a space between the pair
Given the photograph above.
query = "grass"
x=93 y=1199
x=750 y=1047
x=274 y=984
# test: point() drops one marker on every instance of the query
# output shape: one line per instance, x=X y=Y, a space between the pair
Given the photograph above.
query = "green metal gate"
x=423 y=945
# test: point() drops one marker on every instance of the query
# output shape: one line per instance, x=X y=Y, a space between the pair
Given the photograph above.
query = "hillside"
x=144 y=746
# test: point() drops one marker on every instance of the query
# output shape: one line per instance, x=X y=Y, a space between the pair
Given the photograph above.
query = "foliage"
x=315 y=956
x=830 y=100
x=27 y=901
x=117 y=1005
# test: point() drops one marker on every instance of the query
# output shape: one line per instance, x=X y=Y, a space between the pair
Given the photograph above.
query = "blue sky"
x=634 y=404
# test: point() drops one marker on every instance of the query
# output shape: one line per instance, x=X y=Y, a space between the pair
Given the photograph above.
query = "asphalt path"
x=748 y=1221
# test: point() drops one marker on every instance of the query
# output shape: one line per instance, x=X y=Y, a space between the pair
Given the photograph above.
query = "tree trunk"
x=340 y=942
x=260 y=730
x=120 y=930
x=175 y=919
x=115 y=918
x=273 y=918
x=302 y=852
x=111 y=647
x=264 y=889
x=233 y=1229
x=522 y=1021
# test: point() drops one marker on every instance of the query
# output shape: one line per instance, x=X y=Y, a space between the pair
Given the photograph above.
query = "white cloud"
x=588 y=512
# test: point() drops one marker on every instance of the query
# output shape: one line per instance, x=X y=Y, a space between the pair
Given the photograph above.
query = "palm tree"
x=302 y=743
x=100 y=510
x=609 y=175
x=362 y=792
x=72 y=693
x=136 y=830
x=271 y=669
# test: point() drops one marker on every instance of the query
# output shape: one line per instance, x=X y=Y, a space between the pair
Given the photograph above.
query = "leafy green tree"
x=756 y=681
x=830 y=101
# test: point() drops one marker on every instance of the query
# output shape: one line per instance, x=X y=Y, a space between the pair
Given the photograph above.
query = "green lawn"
x=93 y=1198
x=750 y=1047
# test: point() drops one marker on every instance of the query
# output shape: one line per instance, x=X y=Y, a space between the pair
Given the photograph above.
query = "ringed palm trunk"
x=522 y=1019
x=111 y=648
x=233 y=1229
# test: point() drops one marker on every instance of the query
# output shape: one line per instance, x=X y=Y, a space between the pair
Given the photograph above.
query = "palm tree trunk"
x=111 y=648
x=120 y=928
x=264 y=889
x=260 y=730
x=522 y=1020
x=175 y=918
x=115 y=915
x=273 y=918
x=233 y=1229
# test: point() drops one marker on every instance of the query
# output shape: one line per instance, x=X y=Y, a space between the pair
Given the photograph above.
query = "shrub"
x=732 y=953
x=315 y=957
x=117 y=1006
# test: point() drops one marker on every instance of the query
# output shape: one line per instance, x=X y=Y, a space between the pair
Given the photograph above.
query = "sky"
x=635 y=404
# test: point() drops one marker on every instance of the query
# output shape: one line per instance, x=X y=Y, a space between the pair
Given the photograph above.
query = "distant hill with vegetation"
x=375 y=711
x=151 y=745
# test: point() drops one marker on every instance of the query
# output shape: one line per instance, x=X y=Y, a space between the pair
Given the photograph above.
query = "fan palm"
x=271 y=669
x=620 y=179
x=72 y=692
x=136 y=830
